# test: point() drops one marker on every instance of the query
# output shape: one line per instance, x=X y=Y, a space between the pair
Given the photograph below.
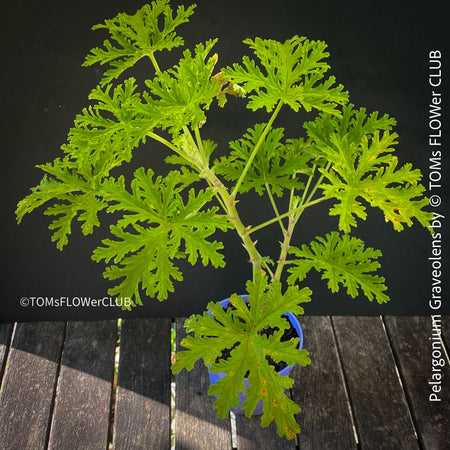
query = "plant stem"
x=227 y=202
x=199 y=143
x=327 y=168
x=275 y=209
x=255 y=150
x=153 y=60
x=293 y=219
x=287 y=214
x=167 y=143
x=308 y=184
x=233 y=216
x=285 y=247
x=225 y=199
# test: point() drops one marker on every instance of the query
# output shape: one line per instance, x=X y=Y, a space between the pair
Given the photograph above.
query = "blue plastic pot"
x=215 y=377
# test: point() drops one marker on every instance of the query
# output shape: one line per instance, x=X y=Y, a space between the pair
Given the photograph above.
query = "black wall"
x=379 y=52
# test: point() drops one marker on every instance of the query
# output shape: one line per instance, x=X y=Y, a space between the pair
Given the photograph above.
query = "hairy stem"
x=227 y=202
x=233 y=216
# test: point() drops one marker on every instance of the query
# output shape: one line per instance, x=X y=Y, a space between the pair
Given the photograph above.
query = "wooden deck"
x=368 y=388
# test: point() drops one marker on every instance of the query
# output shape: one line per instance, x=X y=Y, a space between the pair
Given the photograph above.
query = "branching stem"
x=287 y=214
x=285 y=247
x=316 y=186
x=233 y=216
x=294 y=215
x=275 y=209
x=226 y=200
x=200 y=144
x=257 y=147
x=308 y=183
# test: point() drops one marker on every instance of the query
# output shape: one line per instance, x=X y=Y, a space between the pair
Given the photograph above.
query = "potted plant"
x=345 y=158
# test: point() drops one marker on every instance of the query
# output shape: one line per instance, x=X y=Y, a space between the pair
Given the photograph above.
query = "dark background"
x=379 y=52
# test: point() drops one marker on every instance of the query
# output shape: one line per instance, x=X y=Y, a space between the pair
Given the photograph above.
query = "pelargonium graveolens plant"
x=346 y=158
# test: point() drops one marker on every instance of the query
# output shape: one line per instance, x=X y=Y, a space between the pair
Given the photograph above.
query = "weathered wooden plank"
x=381 y=413
x=83 y=404
x=29 y=385
x=196 y=422
x=142 y=411
x=251 y=436
x=319 y=389
x=424 y=370
x=5 y=338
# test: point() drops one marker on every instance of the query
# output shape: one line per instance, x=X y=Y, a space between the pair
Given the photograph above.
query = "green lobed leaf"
x=151 y=29
x=359 y=147
x=342 y=260
x=180 y=96
x=72 y=196
x=276 y=164
x=239 y=329
x=292 y=72
x=106 y=132
x=158 y=227
x=277 y=406
x=102 y=138
x=144 y=258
